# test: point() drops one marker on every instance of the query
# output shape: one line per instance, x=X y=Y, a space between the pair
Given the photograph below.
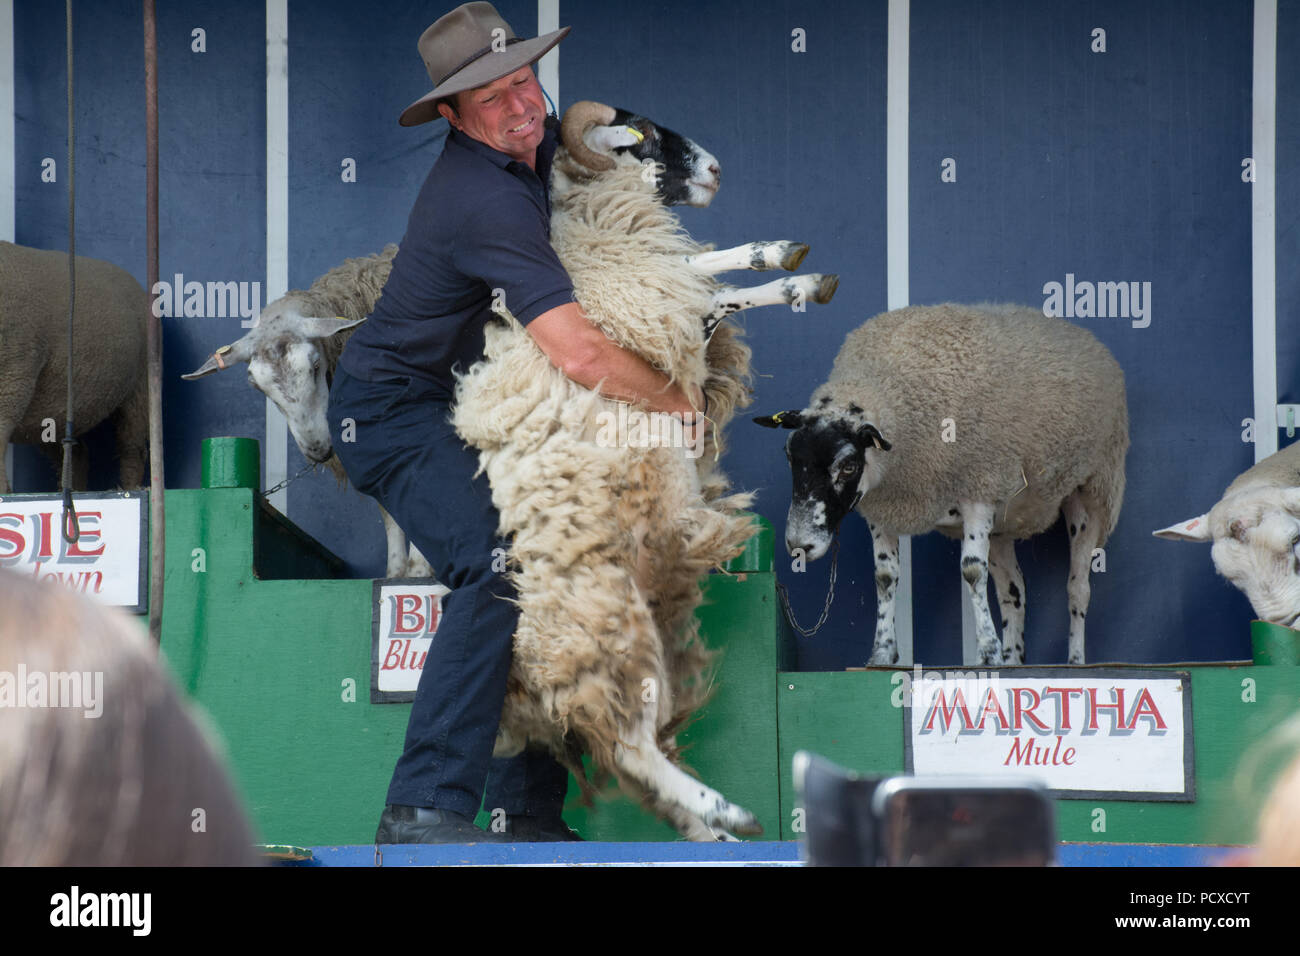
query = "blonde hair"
x=105 y=766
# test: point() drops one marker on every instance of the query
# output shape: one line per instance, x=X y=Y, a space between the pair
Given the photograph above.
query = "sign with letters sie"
x=107 y=562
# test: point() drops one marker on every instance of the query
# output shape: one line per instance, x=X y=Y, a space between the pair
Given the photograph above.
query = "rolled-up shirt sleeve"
x=506 y=244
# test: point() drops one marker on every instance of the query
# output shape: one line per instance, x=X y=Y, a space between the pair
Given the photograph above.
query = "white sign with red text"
x=406 y=616
x=106 y=561
x=1082 y=733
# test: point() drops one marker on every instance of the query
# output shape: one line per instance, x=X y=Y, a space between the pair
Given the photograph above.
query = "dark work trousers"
x=401 y=449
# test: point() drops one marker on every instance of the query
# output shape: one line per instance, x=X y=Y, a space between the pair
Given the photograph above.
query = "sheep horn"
x=232 y=354
x=578 y=121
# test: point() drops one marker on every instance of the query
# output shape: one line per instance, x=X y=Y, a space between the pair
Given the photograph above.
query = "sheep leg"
x=80 y=463
x=5 y=431
x=417 y=565
x=131 y=426
x=756 y=256
x=692 y=827
x=1084 y=525
x=643 y=762
x=885 y=545
x=397 y=550
x=1010 y=585
x=794 y=291
x=976 y=524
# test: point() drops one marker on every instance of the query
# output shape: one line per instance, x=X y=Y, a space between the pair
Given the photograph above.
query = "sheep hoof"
x=826 y=289
x=748 y=825
x=794 y=255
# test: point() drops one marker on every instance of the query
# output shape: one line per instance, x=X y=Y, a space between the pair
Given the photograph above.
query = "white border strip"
x=897 y=271
x=277 y=220
x=8 y=155
x=548 y=68
x=1263 y=253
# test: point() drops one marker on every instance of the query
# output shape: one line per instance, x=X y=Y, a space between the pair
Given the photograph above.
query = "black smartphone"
x=964 y=821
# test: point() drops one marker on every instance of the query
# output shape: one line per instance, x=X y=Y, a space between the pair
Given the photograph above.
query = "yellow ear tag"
x=777 y=417
x=640 y=137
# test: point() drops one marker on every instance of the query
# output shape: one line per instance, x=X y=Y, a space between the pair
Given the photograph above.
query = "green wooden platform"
x=282 y=663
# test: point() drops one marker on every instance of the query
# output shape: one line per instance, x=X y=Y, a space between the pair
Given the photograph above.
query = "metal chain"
x=830 y=595
x=306 y=468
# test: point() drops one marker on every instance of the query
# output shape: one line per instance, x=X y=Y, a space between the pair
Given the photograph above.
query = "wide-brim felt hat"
x=468 y=48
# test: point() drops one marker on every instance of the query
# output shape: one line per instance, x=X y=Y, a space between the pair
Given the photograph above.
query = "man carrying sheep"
x=479 y=230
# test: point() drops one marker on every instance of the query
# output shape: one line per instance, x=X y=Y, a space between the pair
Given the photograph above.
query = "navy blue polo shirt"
x=481 y=222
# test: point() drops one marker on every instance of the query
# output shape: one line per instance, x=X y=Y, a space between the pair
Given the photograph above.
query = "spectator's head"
x=101 y=762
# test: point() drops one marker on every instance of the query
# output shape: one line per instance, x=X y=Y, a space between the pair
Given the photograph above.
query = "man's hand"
x=583 y=353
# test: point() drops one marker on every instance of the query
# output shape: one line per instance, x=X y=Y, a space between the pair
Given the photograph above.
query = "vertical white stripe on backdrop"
x=548 y=69
x=277 y=220
x=897 y=270
x=1263 y=255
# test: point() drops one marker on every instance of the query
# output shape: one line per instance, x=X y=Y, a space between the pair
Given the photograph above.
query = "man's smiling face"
x=507 y=114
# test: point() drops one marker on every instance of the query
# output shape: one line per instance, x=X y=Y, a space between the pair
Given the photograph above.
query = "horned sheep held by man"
x=981 y=422
x=610 y=540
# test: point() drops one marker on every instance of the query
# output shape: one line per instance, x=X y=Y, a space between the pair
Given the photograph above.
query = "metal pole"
x=157 y=524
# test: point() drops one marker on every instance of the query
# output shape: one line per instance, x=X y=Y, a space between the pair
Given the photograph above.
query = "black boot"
x=426 y=825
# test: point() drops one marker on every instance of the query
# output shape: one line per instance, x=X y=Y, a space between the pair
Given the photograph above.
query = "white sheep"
x=1255 y=528
x=109 y=337
x=980 y=422
x=292 y=352
x=610 y=540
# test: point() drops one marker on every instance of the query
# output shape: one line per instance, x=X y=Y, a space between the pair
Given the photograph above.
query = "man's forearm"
x=586 y=355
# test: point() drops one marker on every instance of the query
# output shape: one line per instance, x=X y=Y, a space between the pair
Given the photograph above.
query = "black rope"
x=71 y=529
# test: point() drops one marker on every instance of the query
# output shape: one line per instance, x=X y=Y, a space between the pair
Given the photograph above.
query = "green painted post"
x=1274 y=644
x=230 y=463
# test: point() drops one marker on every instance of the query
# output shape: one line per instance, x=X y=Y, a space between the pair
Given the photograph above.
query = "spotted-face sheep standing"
x=109 y=337
x=981 y=422
x=609 y=540
x=1255 y=528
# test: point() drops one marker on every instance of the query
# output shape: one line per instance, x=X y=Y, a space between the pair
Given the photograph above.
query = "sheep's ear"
x=322 y=327
x=787 y=419
x=1193 y=529
x=872 y=434
x=606 y=139
x=232 y=354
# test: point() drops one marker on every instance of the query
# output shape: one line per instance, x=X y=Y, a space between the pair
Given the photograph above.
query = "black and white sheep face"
x=691 y=175
x=833 y=463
